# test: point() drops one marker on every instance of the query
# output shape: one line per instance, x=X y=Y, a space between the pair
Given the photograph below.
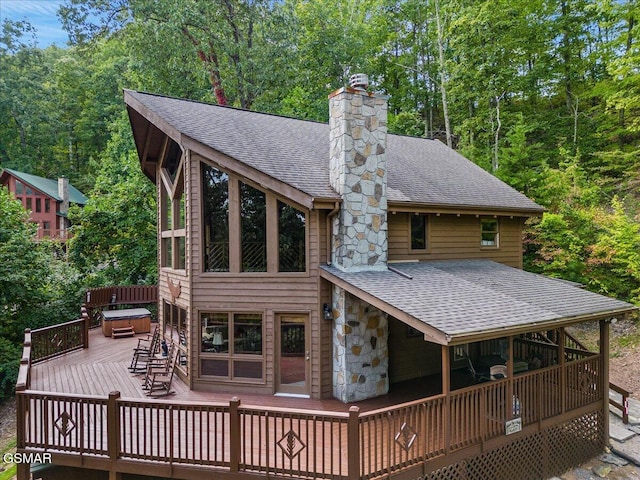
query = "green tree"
x=114 y=237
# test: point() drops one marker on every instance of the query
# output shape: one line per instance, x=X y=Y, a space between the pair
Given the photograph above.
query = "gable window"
x=419 y=231
x=247 y=229
x=19 y=187
x=253 y=225
x=38 y=205
x=215 y=198
x=291 y=239
x=172 y=210
x=489 y=231
x=232 y=345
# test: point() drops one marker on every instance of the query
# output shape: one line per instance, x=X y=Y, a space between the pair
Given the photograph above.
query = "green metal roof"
x=48 y=187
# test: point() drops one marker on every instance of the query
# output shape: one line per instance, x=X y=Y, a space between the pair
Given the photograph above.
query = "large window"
x=246 y=229
x=419 y=232
x=489 y=232
x=291 y=239
x=215 y=198
x=232 y=345
x=173 y=210
x=253 y=215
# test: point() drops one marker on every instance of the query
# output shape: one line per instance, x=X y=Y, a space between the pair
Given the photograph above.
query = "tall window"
x=489 y=232
x=232 y=345
x=419 y=232
x=291 y=239
x=215 y=198
x=253 y=224
x=172 y=205
x=175 y=328
x=19 y=187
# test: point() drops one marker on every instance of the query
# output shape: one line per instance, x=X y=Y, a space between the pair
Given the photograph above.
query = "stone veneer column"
x=358 y=136
x=360 y=350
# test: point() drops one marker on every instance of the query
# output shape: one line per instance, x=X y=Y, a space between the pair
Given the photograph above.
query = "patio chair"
x=157 y=364
x=497 y=372
x=146 y=349
x=160 y=381
x=478 y=377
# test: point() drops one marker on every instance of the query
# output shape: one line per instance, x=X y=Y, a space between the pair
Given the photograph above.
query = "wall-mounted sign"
x=513 y=426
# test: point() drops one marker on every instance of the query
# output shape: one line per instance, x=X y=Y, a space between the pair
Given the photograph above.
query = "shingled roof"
x=296 y=152
x=459 y=301
x=48 y=186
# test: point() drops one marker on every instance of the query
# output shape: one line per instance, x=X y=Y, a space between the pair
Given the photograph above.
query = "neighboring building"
x=48 y=200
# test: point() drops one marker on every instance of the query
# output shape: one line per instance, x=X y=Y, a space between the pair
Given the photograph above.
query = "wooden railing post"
x=234 y=434
x=85 y=316
x=113 y=426
x=353 y=444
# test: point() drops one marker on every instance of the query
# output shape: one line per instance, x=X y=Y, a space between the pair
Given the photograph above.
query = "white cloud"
x=25 y=8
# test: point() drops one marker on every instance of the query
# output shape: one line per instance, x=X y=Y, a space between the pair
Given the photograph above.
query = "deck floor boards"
x=103 y=368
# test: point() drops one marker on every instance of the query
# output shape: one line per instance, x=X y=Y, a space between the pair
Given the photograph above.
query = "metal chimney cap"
x=359 y=81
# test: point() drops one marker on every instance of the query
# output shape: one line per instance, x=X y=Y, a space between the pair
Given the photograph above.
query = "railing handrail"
x=103 y=296
x=56 y=326
x=624 y=404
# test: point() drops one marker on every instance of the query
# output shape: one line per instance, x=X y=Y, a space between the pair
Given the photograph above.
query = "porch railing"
x=299 y=443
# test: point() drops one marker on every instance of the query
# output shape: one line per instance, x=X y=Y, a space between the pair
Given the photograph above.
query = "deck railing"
x=300 y=443
x=98 y=298
x=56 y=340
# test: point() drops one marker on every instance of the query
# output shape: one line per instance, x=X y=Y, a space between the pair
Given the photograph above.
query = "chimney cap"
x=359 y=81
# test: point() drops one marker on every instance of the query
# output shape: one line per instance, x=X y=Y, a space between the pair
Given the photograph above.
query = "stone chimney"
x=358 y=172
x=63 y=193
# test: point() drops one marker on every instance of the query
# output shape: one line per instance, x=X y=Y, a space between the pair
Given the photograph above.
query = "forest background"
x=545 y=94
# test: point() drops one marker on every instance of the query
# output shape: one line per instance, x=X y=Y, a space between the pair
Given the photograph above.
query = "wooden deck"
x=103 y=368
x=86 y=408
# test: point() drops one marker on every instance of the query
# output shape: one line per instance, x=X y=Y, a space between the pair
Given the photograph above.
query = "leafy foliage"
x=114 y=240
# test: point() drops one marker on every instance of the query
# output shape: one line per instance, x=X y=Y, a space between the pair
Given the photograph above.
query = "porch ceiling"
x=460 y=301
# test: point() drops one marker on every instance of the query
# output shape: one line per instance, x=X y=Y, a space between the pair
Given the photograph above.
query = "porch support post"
x=510 y=393
x=446 y=391
x=604 y=374
x=446 y=370
x=563 y=370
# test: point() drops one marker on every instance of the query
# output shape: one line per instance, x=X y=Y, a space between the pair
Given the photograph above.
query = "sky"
x=41 y=14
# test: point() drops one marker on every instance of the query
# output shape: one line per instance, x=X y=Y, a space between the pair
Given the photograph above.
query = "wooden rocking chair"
x=157 y=364
x=160 y=381
x=145 y=351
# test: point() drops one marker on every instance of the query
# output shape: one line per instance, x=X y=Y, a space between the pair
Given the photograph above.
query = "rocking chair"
x=160 y=381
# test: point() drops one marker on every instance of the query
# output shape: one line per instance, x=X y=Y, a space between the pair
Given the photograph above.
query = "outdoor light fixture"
x=327 y=314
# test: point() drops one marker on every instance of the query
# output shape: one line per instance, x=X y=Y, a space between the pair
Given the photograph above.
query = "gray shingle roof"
x=465 y=297
x=296 y=152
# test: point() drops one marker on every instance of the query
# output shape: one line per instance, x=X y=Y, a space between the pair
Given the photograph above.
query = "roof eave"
x=464 y=209
x=457 y=339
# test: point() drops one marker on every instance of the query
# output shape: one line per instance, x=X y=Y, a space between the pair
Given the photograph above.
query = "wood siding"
x=266 y=293
x=410 y=357
x=452 y=237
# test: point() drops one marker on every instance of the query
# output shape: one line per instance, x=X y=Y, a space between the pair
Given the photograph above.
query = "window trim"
x=426 y=232
x=230 y=355
x=496 y=232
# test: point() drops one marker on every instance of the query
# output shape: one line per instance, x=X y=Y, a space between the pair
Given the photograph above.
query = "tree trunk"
x=443 y=79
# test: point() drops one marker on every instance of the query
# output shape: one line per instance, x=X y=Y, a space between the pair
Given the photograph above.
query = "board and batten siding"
x=452 y=237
